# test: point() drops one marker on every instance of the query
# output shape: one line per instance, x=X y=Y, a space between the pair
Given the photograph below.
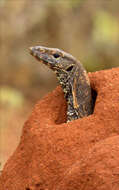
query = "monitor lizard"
x=72 y=77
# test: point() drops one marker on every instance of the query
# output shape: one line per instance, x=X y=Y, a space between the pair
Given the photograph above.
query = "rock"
x=79 y=155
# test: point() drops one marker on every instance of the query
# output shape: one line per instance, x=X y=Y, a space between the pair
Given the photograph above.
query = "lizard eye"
x=70 y=68
x=56 y=55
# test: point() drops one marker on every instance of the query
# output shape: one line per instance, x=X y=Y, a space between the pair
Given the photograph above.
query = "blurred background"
x=88 y=29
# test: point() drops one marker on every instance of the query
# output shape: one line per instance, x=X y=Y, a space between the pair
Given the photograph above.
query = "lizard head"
x=56 y=59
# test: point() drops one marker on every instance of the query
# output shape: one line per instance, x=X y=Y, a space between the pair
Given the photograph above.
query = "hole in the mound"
x=94 y=96
x=27 y=188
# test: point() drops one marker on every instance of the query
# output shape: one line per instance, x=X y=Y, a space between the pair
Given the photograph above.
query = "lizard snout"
x=42 y=56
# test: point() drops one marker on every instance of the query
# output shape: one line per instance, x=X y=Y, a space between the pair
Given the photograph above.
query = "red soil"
x=79 y=155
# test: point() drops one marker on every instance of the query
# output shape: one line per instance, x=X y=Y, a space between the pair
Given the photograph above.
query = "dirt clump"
x=79 y=155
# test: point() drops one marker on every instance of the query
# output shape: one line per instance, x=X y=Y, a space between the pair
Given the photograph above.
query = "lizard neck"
x=77 y=92
x=66 y=81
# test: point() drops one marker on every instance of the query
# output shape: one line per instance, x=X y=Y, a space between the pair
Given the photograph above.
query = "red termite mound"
x=79 y=155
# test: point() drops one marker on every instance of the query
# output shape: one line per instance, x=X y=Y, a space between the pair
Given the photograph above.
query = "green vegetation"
x=11 y=98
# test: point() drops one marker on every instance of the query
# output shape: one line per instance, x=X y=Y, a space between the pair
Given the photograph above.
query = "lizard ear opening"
x=70 y=68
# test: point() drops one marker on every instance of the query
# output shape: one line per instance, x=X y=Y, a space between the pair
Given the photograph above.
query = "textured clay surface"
x=79 y=155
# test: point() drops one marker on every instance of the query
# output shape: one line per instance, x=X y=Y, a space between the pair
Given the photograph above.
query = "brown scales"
x=72 y=77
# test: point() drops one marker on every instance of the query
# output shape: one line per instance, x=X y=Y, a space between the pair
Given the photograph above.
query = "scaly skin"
x=72 y=78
